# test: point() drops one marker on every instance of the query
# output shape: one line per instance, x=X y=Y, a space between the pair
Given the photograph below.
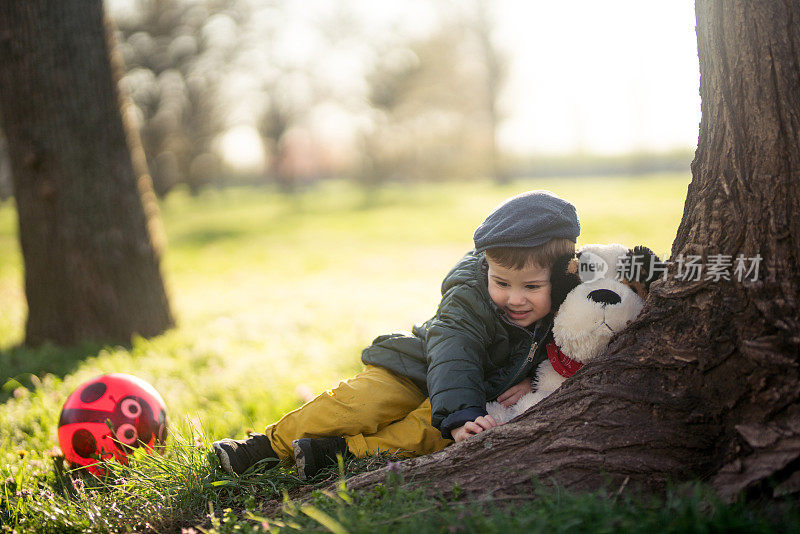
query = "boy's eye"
x=501 y=284
x=533 y=286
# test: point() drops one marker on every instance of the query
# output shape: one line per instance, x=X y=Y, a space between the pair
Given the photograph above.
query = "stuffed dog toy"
x=615 y=281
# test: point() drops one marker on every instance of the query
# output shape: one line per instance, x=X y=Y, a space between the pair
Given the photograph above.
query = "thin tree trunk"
x=706 y=382
x=91 y=268
x=495 y=73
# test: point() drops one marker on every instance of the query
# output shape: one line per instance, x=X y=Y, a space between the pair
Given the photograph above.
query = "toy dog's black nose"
x=604 y=296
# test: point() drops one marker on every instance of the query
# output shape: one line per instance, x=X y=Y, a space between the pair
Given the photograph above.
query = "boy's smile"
x=523 y=294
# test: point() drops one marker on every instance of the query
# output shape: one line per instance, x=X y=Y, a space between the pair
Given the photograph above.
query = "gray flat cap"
x=528 y=220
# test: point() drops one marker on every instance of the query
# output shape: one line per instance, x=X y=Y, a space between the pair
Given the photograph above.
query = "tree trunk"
x=91 y=267
x=705 y=383
x=495 y=65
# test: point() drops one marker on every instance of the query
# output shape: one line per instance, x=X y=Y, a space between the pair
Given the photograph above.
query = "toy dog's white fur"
x=582 y=328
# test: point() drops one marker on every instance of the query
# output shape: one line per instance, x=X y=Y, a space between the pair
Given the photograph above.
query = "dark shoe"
x=313 y=455
x=237 y=455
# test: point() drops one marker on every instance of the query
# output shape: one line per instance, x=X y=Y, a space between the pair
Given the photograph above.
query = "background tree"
x=290 y=94
x=91 y=267
x=706 y=382
x=176 y=56
x=5 y=169
x=433 y=102
x=494 y=67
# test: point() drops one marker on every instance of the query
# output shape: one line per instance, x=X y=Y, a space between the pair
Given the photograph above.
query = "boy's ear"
x=563 y=279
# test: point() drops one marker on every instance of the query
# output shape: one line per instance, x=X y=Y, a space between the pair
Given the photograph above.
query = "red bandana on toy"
x=563 y=364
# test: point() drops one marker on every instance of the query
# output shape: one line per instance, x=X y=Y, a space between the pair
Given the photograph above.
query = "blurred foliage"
x=433 y=103
x=321 y=90
x=412 y=106
x=175 y=63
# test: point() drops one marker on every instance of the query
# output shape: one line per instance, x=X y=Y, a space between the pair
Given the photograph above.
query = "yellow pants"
x=375 y=411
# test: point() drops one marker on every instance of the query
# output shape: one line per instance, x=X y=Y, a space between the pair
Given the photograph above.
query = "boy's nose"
x=516 y=298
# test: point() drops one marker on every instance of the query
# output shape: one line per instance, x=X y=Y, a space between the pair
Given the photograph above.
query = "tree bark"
x=91 y=266
x=705 y=383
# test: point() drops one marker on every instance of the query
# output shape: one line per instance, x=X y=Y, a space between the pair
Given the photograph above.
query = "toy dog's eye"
x=131 y=408
x=126 y=433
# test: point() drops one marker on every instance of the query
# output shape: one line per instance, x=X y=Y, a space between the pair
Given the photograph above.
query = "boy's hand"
x=514 y=393
x=480 y=424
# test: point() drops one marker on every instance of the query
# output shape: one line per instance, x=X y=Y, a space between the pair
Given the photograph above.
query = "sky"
x=585 y=76
x=602 y=77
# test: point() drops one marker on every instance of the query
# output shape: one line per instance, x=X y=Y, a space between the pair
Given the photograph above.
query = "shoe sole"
x=224 y=461
x=299 y=460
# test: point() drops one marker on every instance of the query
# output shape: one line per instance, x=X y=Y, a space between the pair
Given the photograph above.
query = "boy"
x=421 y=390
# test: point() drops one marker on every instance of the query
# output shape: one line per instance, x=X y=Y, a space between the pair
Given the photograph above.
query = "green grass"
x=385 y=509
x=276 y=296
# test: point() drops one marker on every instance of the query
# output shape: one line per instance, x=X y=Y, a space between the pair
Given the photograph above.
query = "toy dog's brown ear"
x=572 y=266
x=641 y=270
x=563 y=279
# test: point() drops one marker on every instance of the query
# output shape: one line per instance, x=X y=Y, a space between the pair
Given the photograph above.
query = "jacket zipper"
x=528 y=360
x=531 y=353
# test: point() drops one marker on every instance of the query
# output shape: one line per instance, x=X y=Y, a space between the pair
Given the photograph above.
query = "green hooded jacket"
x=468 y=353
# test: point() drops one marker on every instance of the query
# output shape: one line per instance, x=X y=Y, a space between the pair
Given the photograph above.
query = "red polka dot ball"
x=109 y=417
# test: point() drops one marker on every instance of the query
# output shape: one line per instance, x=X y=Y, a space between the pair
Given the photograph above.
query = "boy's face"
x=523 y=294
